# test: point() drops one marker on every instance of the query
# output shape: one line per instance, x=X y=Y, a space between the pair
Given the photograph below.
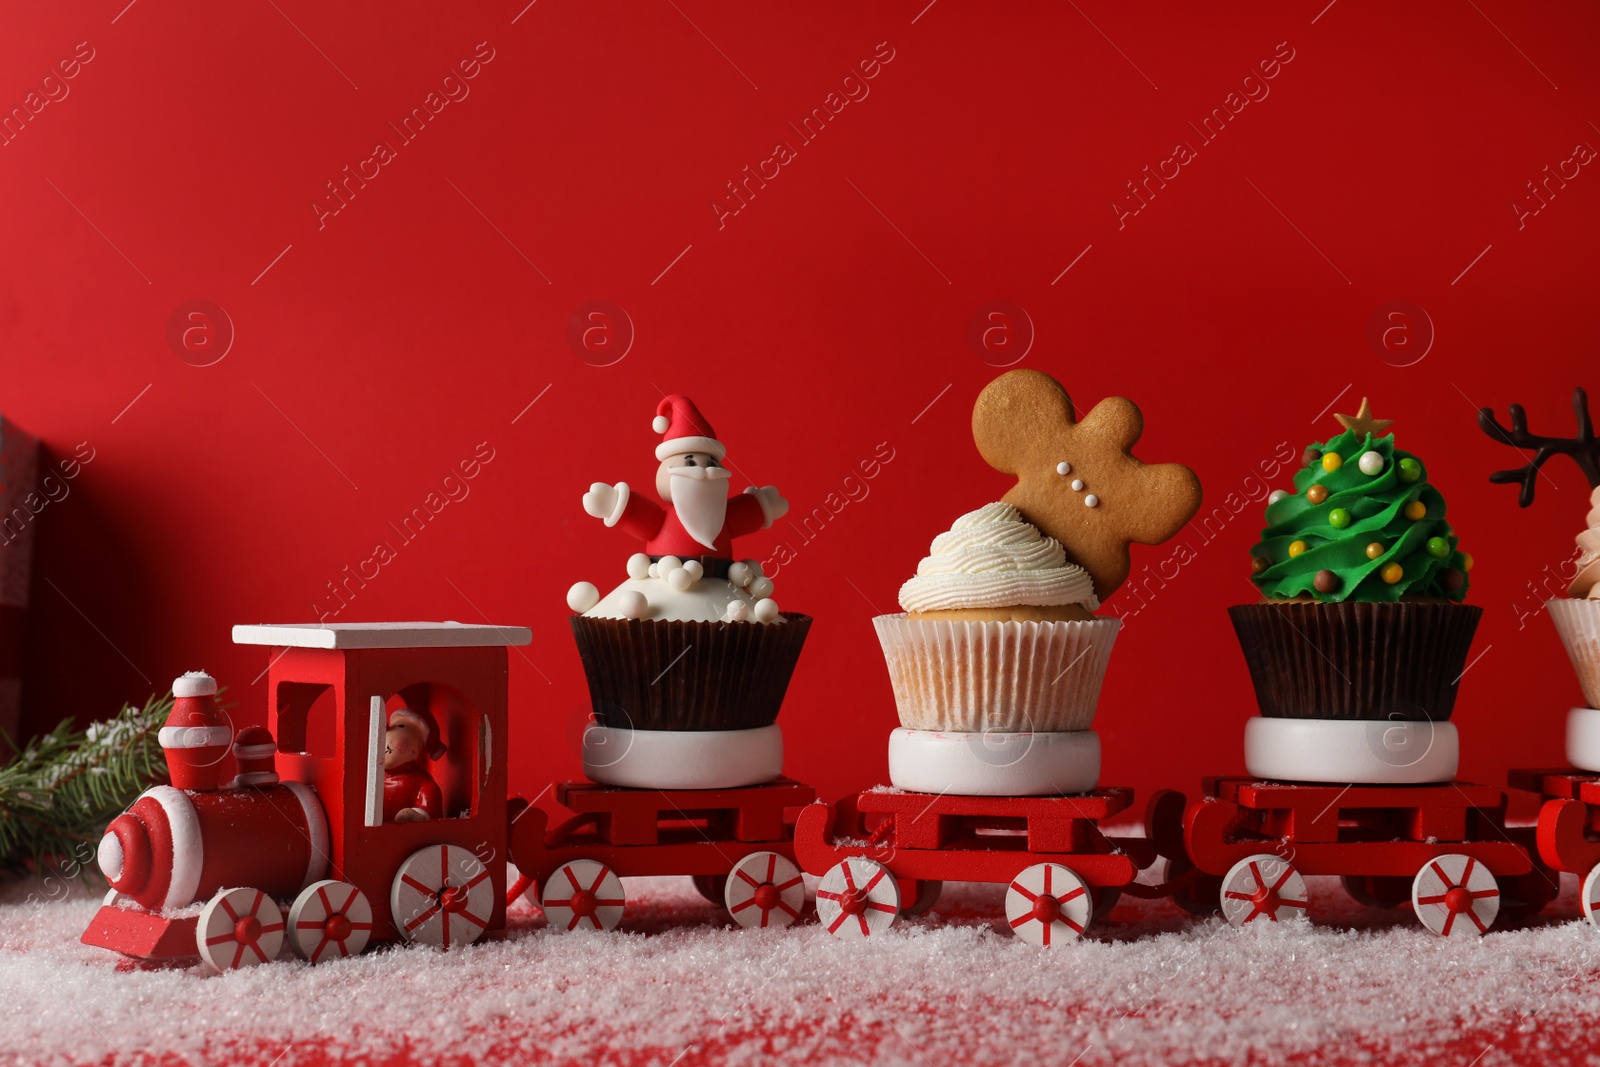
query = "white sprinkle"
x=1063 y=467
x=1077 y=484
x=1371 y=462
x=1277 y=495
x=1091 y=500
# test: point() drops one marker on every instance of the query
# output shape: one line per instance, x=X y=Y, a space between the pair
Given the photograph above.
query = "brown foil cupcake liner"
x=665 y=675
x=1356 y=660
x=973 y=677
x=1579 y=623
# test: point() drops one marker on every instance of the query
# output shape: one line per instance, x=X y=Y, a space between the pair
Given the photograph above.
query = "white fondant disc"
x=1583 y=739
x=682 y=759
x=1358 y=751
x=994 y=764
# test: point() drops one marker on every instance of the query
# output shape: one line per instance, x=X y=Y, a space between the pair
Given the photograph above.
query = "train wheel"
x=926 y=897
x=442 y=896
x=711 y=886
x=330 y=918
x=857 y=898
x=1047 y=904
x=239 y=928
x=1263 y=885
x=1377 y=891
x=1455 y=896
x=1591 y=896
x=765 y=889
x=583 y=894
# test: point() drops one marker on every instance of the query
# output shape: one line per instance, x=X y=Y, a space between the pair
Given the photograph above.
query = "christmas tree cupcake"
x=997 y=659
x=1361 y=640
x=689 y=657
x=1576 y=615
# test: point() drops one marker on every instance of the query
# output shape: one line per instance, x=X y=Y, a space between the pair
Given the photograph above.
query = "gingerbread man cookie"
x=1079 y=481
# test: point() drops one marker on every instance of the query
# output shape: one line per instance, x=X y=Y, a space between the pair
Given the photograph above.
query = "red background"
x=825 y=317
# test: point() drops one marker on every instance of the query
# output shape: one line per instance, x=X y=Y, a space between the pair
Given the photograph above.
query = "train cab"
x=341 y=698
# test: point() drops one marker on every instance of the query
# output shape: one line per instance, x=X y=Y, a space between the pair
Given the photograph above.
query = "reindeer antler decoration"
x=1584 y=449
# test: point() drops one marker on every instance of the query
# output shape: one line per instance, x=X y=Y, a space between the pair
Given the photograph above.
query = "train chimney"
x=196 y=736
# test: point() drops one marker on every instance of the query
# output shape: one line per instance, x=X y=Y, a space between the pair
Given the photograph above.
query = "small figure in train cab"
x=409 y=791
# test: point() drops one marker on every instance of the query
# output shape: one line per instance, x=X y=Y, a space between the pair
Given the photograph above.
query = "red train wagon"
x=1446 y=850
x=885 y=853
x=737 y=844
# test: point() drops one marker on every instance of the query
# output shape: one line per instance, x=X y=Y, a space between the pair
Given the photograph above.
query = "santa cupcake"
x=689 y=657
x=997 y=658
x=1576 y=615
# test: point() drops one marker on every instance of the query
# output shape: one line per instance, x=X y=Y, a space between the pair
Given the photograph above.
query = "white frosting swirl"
x=993 y=558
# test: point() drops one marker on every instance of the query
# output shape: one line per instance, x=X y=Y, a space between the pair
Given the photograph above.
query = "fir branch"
x=58 y=793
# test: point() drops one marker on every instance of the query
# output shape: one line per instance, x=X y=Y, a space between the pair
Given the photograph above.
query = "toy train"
x=298 y=846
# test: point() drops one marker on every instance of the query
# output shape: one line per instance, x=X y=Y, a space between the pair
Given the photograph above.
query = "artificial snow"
x=674 y=986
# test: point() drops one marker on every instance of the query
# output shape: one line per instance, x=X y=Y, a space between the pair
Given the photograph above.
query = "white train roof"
x=381 y=635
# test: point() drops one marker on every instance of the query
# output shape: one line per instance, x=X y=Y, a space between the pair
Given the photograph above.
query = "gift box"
x=19 y=456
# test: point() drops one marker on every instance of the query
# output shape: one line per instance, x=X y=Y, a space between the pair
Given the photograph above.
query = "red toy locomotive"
x=200 y=868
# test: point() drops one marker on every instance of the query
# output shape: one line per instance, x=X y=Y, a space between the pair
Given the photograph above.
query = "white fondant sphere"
x=1371 y=462
x=761 y=587
x=765 y=610
x=633 y=604
x=738 y=611
x=1077 y=484
x=739 y=574
x=1091 y=501
x=680 y=579
x=1063 y=467
x=755 y=567
x=695 y=569
x=1276 y=495
x=667 y=564
x=582 y=596
x=638 y=565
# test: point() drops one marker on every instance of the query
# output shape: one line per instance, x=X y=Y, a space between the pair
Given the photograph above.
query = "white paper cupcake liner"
x=1002 y=676
x=1579 y=623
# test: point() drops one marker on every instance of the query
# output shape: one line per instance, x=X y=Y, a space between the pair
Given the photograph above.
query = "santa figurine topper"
x=687 y=569
x=409 y=792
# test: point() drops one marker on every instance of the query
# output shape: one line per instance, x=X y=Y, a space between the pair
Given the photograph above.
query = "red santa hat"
x=684 y=429
x=425 y=723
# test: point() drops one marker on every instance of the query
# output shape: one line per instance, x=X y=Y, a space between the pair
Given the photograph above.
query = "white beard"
x=700 y=498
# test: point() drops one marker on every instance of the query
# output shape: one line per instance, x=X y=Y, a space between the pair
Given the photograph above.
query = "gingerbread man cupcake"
x=998 y=657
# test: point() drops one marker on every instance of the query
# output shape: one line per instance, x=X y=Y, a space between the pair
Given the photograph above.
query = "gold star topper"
x=1362 y=422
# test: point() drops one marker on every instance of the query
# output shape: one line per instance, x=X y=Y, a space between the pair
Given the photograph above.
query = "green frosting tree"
x=1363 y=524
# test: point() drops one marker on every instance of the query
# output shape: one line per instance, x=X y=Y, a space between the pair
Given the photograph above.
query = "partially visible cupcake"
x=688 y=659
x=1357 y=650
x=1577 y=615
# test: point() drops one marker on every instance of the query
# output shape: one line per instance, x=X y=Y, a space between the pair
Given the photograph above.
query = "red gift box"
x=19 y=456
